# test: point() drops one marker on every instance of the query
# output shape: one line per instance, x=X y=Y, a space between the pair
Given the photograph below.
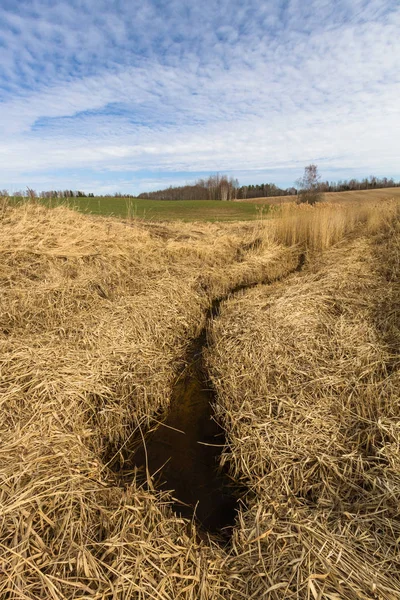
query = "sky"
x=114 y=96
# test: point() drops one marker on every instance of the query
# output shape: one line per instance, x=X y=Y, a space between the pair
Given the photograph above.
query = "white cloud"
x=259 y=90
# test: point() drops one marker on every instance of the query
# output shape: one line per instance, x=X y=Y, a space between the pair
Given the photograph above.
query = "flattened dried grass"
x=308 y=387
x=95 y=318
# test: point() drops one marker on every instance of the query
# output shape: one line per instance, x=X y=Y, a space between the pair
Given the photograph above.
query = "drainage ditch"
x=182 y=453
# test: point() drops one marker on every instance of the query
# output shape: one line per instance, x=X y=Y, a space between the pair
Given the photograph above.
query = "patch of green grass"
x=166 y=210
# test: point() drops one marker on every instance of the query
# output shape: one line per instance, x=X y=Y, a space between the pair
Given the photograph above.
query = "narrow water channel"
x=182 y=454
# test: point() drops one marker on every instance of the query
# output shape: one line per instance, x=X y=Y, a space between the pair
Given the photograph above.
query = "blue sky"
x=108 y=96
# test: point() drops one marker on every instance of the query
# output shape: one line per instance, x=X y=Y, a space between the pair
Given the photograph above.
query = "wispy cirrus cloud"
x=148 y=93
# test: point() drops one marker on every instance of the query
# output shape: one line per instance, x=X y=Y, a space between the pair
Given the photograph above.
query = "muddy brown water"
x=182 y=453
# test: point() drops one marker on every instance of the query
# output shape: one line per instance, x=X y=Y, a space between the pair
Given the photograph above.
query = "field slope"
x=377 y=195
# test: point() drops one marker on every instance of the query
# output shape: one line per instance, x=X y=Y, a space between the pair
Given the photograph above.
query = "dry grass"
x=308 y=388
x=95 y=319
x=317 y=228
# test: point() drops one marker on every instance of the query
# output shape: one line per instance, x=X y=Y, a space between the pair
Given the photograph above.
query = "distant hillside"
x=356 y=195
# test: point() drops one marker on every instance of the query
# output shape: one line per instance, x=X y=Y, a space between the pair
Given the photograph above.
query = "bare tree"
x=309 y=186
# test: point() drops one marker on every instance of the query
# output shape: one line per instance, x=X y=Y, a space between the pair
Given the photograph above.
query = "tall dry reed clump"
x=319 y=227
x=95 y=319
x=307 y=375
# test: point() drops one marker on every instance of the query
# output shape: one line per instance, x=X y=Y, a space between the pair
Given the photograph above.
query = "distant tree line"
x=219 y=187
x=264 y=190
x=29 y=193
x=368 y=183
x=215 y=187
x=65 y=194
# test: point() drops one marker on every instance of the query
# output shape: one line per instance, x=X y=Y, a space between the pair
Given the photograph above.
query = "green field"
x=167 y=210
x=172 y=210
